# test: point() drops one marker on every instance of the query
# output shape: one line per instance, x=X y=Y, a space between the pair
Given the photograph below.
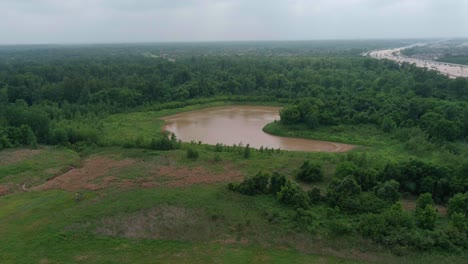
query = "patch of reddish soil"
x=198 y=175
x=94 y=176
x=3 y=190
x=78 y=179
x=8 y=156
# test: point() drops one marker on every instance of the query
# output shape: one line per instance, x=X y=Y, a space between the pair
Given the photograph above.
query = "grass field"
x=147 y=206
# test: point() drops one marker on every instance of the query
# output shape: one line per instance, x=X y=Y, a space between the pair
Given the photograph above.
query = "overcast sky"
x=96 y=21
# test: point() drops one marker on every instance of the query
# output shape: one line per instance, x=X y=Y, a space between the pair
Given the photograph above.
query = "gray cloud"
x=78 y=21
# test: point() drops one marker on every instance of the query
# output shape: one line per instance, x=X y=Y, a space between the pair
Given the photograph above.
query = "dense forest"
x=41 y=92
x=58 y=95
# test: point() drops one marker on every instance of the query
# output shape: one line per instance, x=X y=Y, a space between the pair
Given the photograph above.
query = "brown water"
x=240 y=124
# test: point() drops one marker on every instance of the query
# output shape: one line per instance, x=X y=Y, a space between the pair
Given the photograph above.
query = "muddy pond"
x=240 y=124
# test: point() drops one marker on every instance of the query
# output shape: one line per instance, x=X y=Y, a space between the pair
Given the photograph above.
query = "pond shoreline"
x=234 y=124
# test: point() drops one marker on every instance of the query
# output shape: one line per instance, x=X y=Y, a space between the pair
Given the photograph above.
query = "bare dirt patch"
x=177 y=177
x=163 y=222
x=102 y=172
x=4 y=190
x=13 y=156
x=81 y=178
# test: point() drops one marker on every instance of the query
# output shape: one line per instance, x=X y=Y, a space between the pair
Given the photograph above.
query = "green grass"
x=51 y=226
x=366 y=135
x=38 y=168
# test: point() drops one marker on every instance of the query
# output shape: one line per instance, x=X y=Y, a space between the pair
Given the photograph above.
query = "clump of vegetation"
x=192 y=153
x=247 y=151
x=310 y=172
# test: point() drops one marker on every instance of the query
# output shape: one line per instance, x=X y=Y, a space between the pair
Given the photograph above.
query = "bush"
x=192 y=154
x=344 y=169
x=277 y=182
x=427 y=217
x=217 y=158
x=314 y=195
x=257 y=184
x=247 y=151
x=343 y=189
x=310 y=172
x=382 y=227
x=424 y=200
x=458 y=204
x=388 y=191
x=292 y=194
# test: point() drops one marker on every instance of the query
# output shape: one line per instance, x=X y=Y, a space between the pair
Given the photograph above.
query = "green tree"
x=388 y=191
x=426 y=218
x=290 y=115
x=247 y=151
x=292 y=194
x=277 y=181
x=458 y=204
x=424 y=200
x=310 y=172
x=388 y=125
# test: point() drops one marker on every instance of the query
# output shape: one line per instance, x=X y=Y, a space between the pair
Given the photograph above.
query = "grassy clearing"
x=49 y=226
x=33 y=222
x=198 y=223
x=36 y=169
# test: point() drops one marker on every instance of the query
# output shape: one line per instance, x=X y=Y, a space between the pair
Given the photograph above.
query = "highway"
x=451 y=70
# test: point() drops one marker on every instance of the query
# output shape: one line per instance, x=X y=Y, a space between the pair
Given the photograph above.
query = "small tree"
x=277 y=182
x=388 y=191
x=427 y=217
x=293 y=195
x=247 y=151
x=426 y=214
x=458 y=204
x=388 y=124
x=310 y=172
x=257 y=184
x=424 y=200
x=314 y=195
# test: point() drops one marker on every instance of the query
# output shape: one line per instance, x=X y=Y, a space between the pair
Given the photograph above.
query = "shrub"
x=388 y=191
x=217 y=157
x=277 y=182
x=424 y=200
x=427 y=217
x=247 y=151
x=458 y=204
x=192 y=154
x=345 y=169
x=314 y=195
x=310 y=172
x=292 y=194
x=343 y=189
x=257 y=184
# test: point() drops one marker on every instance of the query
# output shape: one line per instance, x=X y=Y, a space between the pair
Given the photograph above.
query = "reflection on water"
x=240 y=124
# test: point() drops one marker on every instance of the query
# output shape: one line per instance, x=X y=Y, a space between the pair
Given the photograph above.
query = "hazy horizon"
x=146 y=21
